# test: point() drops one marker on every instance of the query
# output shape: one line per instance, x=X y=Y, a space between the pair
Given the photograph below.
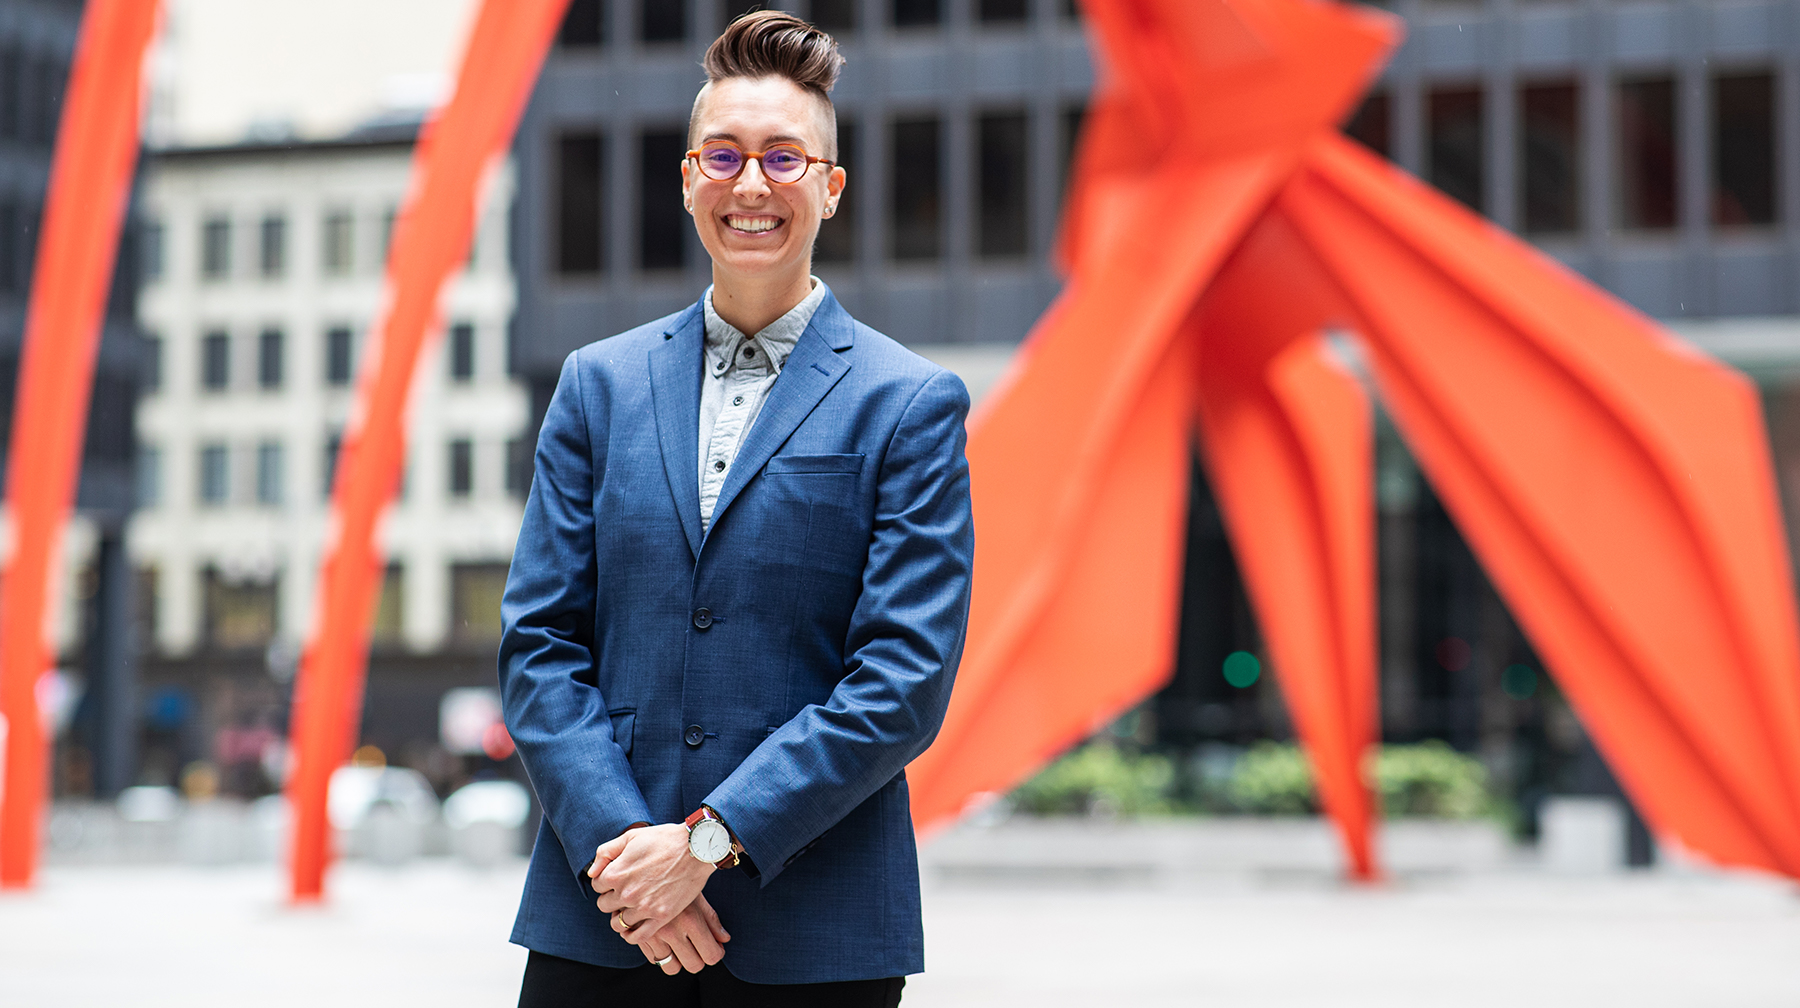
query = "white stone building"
x=264 y=267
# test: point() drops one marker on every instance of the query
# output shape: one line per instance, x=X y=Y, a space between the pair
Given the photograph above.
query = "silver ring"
x=664 y=961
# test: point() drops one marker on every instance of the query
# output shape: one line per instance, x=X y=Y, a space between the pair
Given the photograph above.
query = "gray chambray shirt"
x=740 y=370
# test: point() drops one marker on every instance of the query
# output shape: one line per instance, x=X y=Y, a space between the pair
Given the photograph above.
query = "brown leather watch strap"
x=737 y=849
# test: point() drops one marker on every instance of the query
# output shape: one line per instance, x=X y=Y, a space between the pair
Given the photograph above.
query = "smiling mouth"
x=752 y=225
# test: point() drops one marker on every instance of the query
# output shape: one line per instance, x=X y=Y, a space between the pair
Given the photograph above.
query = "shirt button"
x=702 y=618
x=737 y=401
x=749 y=351
x=695 y=735
x=718 y=465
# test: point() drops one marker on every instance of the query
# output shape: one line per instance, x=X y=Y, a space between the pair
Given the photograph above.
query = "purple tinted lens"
x=721 y=162
x=784 y=164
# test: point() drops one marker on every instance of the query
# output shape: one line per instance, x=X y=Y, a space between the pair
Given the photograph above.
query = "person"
x=738 y=600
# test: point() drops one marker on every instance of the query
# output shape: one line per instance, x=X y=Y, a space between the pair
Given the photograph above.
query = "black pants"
x=554 y=982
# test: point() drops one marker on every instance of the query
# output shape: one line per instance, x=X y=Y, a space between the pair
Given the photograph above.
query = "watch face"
x=709 y=841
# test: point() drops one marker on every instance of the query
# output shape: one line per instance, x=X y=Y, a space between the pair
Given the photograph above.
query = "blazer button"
x=702 y=618
x=695 y=735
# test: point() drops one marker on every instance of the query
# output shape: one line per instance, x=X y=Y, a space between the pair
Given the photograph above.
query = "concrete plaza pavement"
x=433 y=933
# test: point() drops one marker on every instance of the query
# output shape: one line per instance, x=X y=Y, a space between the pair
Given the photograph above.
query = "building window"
x=339 y=244
x=475 y=593
x=462 y=467
x=215 y=474
x=269 y=472
x=239 y=615
x=272 y=246
x=1453 y=142
x=1002 y=184
x=915 y=177
x=662 y=222
x=838 y=233
x=144 y=606
x=390 y=218
x=1550 y=158
x=29 y=219
x=583 y=25
x=51 y=73
x=390 y=610
x=215 y=361
x=462 y=352
x=269 y=354
x=150 y=249
x=1372 y=125
x=580 y=203
x=913 y=13
x=334 y=446
x=1004 y=11
x=215 y=248
x=152 y=373
x=338 y=359
x=1743 y=149
x=833 y=15
x=518 y=468
x=1069 y=140
x=1646 y=160
x=12 y=243
x=10 y=62
x=149 y=476
x=662 y=20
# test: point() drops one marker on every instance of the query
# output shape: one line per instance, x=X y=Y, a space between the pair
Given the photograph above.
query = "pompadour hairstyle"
x=772 y=43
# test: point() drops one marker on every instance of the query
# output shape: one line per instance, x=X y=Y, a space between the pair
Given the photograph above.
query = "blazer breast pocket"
x=814 y=465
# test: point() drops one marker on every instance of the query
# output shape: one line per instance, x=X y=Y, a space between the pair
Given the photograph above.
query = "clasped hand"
x=651 y=886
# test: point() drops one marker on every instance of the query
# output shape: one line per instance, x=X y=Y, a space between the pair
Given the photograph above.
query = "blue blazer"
x=783 y=667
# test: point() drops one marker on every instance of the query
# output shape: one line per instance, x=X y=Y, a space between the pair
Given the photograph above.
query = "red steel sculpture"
x=84 y=207
x=1615 y=484
x=431 y=239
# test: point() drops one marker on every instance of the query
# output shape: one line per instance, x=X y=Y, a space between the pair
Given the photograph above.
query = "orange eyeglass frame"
x=758 y=155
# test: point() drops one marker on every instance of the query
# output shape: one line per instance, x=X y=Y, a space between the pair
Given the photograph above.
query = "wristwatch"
x=709 y=840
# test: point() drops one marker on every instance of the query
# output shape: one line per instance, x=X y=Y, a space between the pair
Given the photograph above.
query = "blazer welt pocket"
x=803 y=465
x=623 y=723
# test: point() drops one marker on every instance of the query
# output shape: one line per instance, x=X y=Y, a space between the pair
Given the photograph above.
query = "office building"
x=263 y=281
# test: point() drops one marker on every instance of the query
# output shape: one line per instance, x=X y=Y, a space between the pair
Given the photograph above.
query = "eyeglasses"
x=722 y=161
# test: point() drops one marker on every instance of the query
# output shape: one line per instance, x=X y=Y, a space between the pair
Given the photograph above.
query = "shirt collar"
x=777 y=339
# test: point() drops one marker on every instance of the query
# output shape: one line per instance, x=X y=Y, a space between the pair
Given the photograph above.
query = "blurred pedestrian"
x=738 y=599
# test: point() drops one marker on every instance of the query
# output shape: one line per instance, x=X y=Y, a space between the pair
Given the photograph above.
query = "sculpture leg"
x=90 y=179
x=505 y=49
x=1287 y=441
x=1615 y=485
x=1105 y=636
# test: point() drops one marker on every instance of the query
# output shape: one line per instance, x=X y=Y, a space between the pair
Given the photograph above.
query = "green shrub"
x=1273 y=779
x=1427 y=779
x=1432 y=779
x=1099 y=778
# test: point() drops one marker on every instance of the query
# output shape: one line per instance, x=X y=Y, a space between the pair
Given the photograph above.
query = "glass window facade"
x=663 y=224
x=1647 y=165
x=1743 y=149
x=915 y=174
x=580 y=203
x=1455 y=137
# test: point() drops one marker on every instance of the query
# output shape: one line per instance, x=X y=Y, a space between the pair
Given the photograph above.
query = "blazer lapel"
x=675 y=395
x=810 y=372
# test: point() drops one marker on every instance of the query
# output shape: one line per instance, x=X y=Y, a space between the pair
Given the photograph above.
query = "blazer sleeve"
x=548 y=684
x=904 y=642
